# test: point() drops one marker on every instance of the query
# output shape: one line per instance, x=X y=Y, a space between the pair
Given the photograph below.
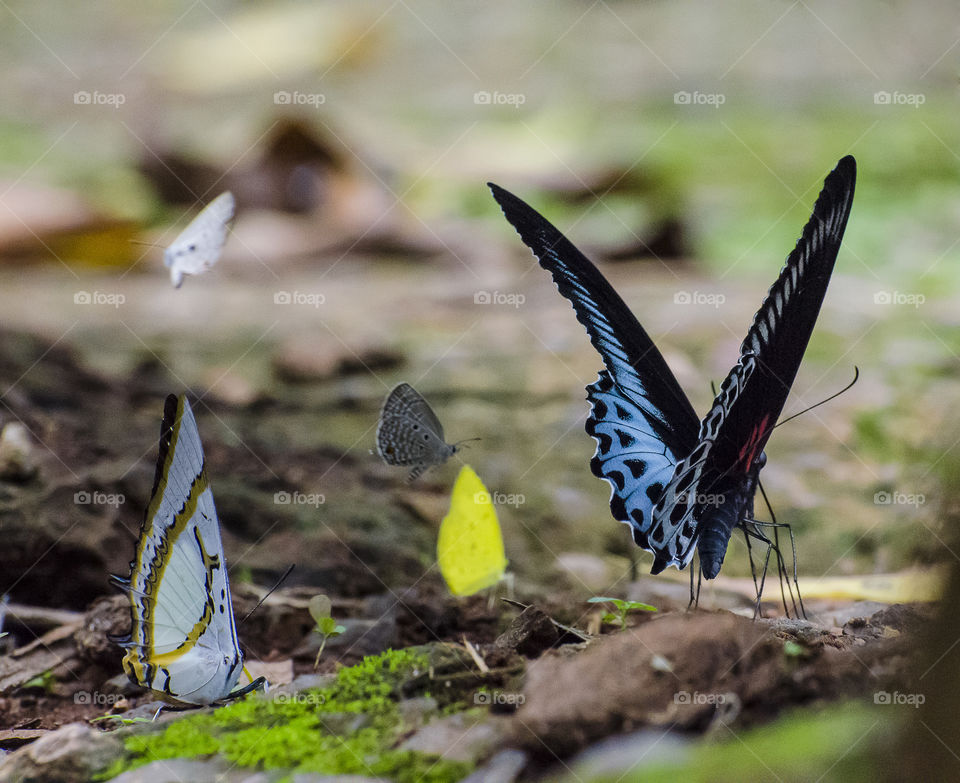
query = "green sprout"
x=793 y=650
x=321 y=609
x=46 y=681
x=619 y=617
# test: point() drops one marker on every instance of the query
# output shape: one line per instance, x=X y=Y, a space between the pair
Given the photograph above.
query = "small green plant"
x=793 y=650
x=320 y=610
x=619 y=617
x=44 y=681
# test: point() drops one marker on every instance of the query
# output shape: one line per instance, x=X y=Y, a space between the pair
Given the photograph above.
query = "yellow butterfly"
x=470 y=545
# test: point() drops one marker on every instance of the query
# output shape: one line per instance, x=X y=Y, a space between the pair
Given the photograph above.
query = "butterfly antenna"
x=466 y=440
x=856 y=375
x=147 y=244
x=280 y=581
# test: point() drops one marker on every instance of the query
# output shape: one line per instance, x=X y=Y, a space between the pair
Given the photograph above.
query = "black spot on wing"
x=604 y=442
x=654 y=491
x=625 y=438
x=685 y=481
x=618 y=508
x=596 y=467
x=637 y=467
x=658 y=565
x=676 y=513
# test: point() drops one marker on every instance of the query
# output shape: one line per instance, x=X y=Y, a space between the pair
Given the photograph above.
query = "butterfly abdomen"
x=716 y=527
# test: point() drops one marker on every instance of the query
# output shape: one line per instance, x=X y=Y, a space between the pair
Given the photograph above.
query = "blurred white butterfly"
x=198 y=247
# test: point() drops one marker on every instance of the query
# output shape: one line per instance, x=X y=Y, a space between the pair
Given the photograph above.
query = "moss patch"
x=347 y=728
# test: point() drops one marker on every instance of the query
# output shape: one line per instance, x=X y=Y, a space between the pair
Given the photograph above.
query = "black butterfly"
x=681 y=483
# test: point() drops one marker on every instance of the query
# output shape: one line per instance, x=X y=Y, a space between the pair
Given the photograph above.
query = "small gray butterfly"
x=409 y=432
x=198 y=247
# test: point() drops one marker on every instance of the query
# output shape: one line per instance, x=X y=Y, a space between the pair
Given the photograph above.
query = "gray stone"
x=626 y=755
x=414 y=713
x=71 y=754
x=217 y=771
x=505 y=767
x=18 y=461
x=466 y=736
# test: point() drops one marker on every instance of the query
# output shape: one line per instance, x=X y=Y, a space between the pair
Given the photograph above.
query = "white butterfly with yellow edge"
x=470 y=544
x=198 y=246
x=183 y=639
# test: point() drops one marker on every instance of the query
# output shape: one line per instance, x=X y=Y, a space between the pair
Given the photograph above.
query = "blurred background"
x=680 y=145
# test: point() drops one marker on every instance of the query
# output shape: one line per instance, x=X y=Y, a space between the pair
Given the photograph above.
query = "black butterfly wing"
x=782 y=326
x=641 y=419
x=738 y=425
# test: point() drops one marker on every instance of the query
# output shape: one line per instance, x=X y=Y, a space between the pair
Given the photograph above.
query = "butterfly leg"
x=753 y=570
x=781 y=565
x=695 y=589
x=415 y=472
x=752 y=528
x=750 y=531
x=785 y=577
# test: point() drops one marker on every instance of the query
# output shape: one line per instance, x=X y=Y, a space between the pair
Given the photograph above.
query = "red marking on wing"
x=753 y=446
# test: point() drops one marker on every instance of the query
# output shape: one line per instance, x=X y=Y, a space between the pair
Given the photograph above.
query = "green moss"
x=347 y=728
